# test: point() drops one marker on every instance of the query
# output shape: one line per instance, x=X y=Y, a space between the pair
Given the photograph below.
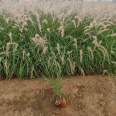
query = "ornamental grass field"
x=60 y=58
x=36 y=41
x=43 y=45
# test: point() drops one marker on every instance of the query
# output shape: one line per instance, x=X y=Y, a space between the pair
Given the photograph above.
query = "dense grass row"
x=45 y=45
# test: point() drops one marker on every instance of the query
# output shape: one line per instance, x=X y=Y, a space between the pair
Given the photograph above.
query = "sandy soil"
x=88 y=96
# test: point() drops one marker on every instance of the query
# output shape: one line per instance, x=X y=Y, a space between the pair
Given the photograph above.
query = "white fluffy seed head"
x=38 y=40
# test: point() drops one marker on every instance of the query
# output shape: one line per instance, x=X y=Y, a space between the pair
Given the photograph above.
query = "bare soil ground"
x=88 y=96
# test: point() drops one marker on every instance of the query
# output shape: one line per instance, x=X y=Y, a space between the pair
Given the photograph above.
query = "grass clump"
x=45 y=45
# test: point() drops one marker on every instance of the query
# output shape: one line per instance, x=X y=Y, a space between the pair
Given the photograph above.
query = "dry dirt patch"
x=89 y=96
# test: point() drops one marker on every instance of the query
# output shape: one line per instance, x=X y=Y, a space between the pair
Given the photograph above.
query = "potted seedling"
x=60 y=99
